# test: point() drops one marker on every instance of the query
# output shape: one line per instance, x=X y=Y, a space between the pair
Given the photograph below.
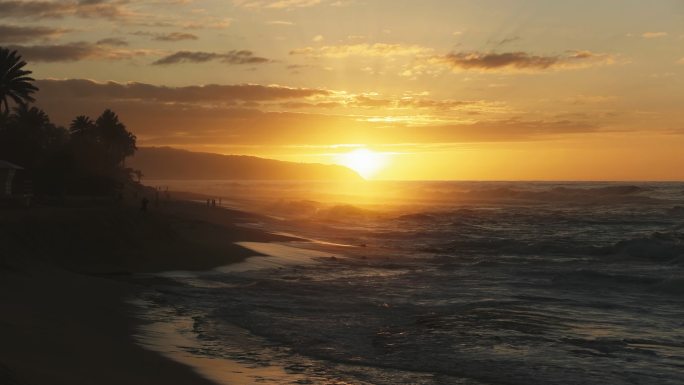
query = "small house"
x=7 y=172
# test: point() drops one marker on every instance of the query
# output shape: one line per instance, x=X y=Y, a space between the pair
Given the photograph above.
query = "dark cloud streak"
x=35 y=9
x=88 y=89
x=20 y=34
x=232 y=57
x=73 y=52
x=113 y=42
x=175 y=36
x=167 y=37
x=58 y=9
x=500 y=60
x=522 y=61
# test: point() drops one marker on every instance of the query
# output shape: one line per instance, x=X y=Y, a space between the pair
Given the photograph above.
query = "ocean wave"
x=623 y=282
x=501 y=246
x=532 y=284
x=418 y=217
x=676 y=211
x=600 y=278
x=293 y=208
x=318 y=211
x=344 y=212
x=674 y=286
x=596 y=195
x=658 y=247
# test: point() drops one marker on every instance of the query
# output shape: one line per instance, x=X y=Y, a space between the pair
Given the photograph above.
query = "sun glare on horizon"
x=365 y=162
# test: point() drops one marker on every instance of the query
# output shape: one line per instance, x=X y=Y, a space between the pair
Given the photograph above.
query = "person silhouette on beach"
x=143 y=204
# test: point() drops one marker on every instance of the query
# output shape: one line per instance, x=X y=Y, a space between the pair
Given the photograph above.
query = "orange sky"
x=441 y=89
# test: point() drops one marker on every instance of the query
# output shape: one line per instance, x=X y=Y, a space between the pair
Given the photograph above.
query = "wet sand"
x=65 y=283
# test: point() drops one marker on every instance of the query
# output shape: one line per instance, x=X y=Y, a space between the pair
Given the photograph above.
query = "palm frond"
x=15 y=84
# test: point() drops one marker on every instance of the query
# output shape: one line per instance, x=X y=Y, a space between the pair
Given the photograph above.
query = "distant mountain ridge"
x=172 y=163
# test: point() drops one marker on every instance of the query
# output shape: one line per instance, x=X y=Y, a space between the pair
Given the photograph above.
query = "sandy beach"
x=65 y=282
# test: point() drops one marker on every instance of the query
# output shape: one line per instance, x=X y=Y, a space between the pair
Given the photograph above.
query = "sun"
x=365 y=162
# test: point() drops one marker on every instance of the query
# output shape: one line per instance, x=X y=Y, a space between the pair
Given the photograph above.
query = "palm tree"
x=30 y=119
x=15 y=83
x=30 y=137
x=81 y=125
x=118 y=142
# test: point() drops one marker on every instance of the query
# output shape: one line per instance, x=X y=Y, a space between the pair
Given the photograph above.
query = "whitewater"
x=440 y=283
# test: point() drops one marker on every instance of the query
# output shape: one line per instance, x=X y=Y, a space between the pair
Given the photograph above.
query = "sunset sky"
x=450 y=89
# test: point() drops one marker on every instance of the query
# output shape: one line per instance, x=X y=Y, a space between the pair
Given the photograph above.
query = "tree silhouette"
x=117 y=142
x=15 y=84
x=81 y=126
x=88 y=158
x=30 y=137
x=85 y=147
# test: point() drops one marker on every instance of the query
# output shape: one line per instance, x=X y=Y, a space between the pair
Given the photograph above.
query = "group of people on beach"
x=144 y=202
x=212 y=202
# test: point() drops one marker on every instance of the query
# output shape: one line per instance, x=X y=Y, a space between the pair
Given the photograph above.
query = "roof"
x=5 y=164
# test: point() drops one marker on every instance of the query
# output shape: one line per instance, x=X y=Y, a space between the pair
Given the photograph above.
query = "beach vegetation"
x=88 y=158
x=15 y=84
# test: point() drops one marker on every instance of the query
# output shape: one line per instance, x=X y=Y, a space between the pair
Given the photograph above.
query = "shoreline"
x=168 y=336
x=64 y=328
x=65 y=287
x=172 y=334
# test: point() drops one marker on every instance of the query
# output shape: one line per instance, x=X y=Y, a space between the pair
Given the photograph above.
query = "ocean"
x=438 y=283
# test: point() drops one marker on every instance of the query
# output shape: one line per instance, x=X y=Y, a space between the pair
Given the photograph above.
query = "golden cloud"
x=364 y=49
